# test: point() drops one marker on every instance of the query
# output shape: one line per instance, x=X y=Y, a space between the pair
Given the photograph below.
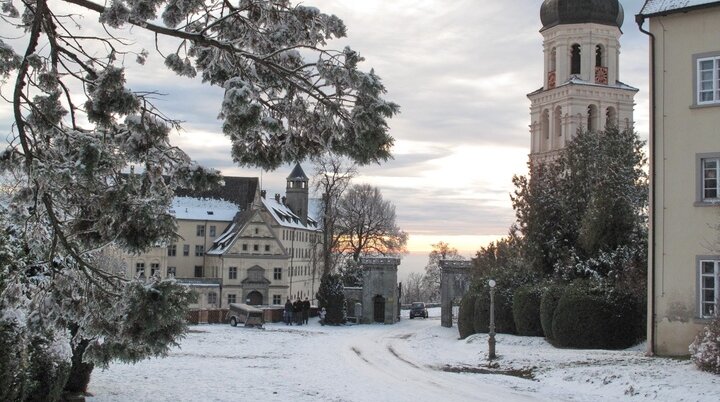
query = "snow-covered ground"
x=415 y=360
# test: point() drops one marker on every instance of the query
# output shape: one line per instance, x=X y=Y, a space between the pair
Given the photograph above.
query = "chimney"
x=263 y=193
x=283 y=200
x=277 y=197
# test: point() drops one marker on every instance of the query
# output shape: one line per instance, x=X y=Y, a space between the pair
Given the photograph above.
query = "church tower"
x=581 y=88
x=297 y=192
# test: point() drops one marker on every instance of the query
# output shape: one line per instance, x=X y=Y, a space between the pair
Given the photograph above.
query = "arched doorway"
x=379 y=309
x=255 y=298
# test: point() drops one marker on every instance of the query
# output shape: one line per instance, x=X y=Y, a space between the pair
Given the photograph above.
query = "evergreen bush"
x=331 y=296
x=13 y=361
x=526 y=310
x=504 y=322
x=48 y=370
x=466 y=315
x=591 y=317
x=548 y=303
x=705 y=350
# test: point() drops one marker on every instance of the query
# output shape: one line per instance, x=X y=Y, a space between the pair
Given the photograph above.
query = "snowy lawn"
x=415 y=360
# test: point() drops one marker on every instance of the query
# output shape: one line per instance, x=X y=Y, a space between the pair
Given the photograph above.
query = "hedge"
x=504 y=322
x=591 y=318
x=466 y=326
x=548 y=302
x=526 y=310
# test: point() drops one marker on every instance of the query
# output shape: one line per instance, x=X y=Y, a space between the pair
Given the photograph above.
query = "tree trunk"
x=80 y=371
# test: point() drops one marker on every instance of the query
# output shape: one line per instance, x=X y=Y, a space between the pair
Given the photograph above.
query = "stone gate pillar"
x=379 y=288
x=454 y=280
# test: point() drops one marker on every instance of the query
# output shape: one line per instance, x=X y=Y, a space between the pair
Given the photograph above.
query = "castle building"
x=582 y=88
x=236 y=245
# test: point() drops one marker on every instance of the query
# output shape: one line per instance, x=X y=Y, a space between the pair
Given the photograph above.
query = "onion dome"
x=558 y=12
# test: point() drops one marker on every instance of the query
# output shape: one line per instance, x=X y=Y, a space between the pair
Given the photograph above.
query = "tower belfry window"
x=575 y=59
x=598 y=56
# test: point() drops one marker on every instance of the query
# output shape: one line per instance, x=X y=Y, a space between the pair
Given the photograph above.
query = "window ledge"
x=706 y=203
x=700 y=320
x=704 y=105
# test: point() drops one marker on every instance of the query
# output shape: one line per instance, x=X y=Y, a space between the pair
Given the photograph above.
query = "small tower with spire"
x=297 y=192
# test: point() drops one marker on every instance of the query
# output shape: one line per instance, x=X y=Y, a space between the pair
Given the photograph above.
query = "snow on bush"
x=705 y=350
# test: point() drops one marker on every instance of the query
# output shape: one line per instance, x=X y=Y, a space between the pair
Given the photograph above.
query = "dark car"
x=418 y=309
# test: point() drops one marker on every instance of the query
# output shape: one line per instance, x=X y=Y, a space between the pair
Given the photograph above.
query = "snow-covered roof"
x=225 y=240
x=578 y=81
x=285 y=217
x=203 y=209
x=653 y=7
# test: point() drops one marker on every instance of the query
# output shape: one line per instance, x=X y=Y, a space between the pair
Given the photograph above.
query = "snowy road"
x=388 y=362
x=415 y=361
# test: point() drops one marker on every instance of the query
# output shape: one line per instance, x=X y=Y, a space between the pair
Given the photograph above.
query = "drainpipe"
x=640 y=20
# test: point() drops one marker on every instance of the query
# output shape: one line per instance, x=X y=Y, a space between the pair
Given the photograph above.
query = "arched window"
x=545 y=129
x=575 y=59
x=592 y=118
x=599 y=53
x=611 y=117
x=558 y=121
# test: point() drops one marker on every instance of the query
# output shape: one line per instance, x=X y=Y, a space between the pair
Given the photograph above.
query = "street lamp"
x=491 y=339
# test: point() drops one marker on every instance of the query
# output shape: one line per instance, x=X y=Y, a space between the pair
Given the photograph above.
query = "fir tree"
x=330 y=295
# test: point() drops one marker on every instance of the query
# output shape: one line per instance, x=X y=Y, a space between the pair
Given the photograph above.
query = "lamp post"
x=491 y=339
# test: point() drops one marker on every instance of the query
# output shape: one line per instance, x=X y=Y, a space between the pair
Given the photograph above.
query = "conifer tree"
x=330 y=295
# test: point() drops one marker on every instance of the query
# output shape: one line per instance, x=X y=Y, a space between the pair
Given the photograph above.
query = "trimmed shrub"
x=481 y=313
x=548 y=303
x=596 y=318
x=504 y=322
x=705 y=350
x=526 y=310
x=466 y=315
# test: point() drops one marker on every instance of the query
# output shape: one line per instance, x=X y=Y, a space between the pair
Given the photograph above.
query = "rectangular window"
x=256 y=247
x=154 y=269
x=186 y=250
x=231 y=298
x=708 y=80
x=140 y=269
x=171 y=271
x=212 y=231
x=212 y=298
x=200 y=230
x=198 y=271
x=232 y=273
x=172 y=250
x=244 y=247
x=277 y=299
x=199 y=251
x=267 y=247
x=277 y=273
x=709 y=287
x=710 y=173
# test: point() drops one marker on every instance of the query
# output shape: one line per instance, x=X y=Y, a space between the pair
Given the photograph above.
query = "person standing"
x=306 y=310
x=297 y=312
x=288 y=312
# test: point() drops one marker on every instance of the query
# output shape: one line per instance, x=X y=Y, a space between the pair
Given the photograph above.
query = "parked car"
x=240 y=313
x=417 y=309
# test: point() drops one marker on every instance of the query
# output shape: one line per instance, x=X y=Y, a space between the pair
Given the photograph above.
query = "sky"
x=460 y=70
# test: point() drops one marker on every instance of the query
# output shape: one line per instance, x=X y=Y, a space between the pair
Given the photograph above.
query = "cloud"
x=460 y=71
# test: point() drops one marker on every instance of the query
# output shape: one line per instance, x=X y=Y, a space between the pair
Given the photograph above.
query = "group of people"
x=297 y=312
